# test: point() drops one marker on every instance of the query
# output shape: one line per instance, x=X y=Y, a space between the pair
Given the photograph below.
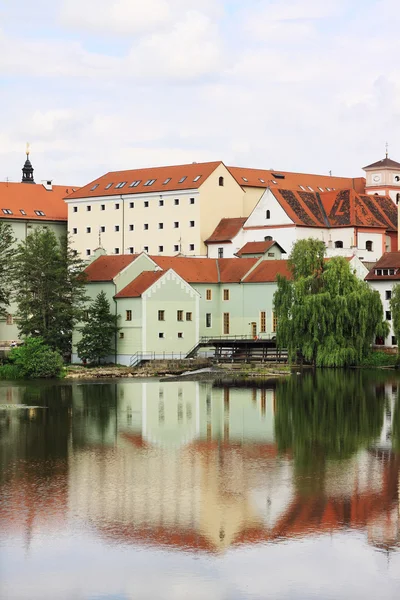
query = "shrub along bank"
x=33 y=360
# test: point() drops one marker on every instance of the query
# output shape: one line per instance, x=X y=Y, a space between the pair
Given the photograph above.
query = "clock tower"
x=383 y=178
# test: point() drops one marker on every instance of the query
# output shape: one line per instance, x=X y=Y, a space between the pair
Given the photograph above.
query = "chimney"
x=47 y=184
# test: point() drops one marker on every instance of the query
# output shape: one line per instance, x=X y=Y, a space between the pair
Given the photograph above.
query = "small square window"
x=161 y=226
x=180 y=335
x=161 y=203
x=176 y=224
x=131 y=227
x=131 y=205
x=128 y=316
x=131 y=250
x=88 y=208
x=116 y=250
x=161 y=248
x=226 y=294
x=161 y=335
x=191 y=200
x=117 y=206
x=191 y=247
x=21 y=210
x=121 y=335
x=208 y=294
x=388 y=294
x=88 y=252
x=191 y=224
x=208 y=319
x=116 y=228
x=188 y=316
x=88 y=229
x=102 y=207
x=176 y=201
x=161 y=315
x=102 y=229
x=108 y=186
x=75 y=209
x=182 y=179
x=394 y=340
x=197 y=178
x=146 y=226
x=145 y=248
x=179 y=315
x=220 y=253
x=388 y=315
x=167 y=181
x=75 y=230
x=146 y=204
x=176 y=248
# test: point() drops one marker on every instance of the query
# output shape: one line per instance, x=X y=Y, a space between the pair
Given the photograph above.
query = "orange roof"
x=232 y=270
x=226 y=230
x=105 y=268
x=390 y=260
x=176 y=177
x=23 y=199
x=139 y=285
x=257 y=248
x=294 y=181
x=267 y=271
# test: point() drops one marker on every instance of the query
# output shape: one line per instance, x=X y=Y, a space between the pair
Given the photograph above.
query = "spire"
x=387 y=150
x=27 y=169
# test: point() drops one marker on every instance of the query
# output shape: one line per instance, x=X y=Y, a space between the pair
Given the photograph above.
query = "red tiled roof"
x=226 y=230
x=192 y=270
x=30 y=197
x=267 y=271
x=256 y=247
x=166 y=179
x=390 y=260
x=292 y=181
x=139 y=285
x=232 y=270
x=105 y=268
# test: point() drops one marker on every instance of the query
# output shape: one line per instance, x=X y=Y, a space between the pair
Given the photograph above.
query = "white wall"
x=382 y=287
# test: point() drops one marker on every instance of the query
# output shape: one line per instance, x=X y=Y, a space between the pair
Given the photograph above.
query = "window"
x=161 y=335
x=128 y=316
x=180 y=335
x=321 y=189
x=161 y=226
x=88 y=229
x=208 y=294
x=9 y=319
x=102 y=207
x=39 y=213
x=117 y=206
x=394 y=340
x=176 y=224
x=191 y=223
x=197 y=178
x=182 y=179
x=188 y=316
x=208 y=319
x=220 y=253
x=379 y=271
x=116 y=250
x=274 y=322
x=310 y=188
x=167 y=181
x=176 y=201
x=75 y=230
x=149 y=182
x=338 y=244
x=191 y=247
x=226 y=323
x=145 y=248
x=88 y=252
x=75 y=209
x=226 y=295
x=135 y=183
x=146 y=204
x=161 y=203
x=161 y=248
x=88 y=208
x=108 y=186
x=102 y=229
x=116 y=228
x=388 y=315
x=391 y=272
x=271 y=254
x=302 y=188
x=176 y=248
x=146 y=226
x=121 y=335
x=179 y=315
x=131 y=227
x=262 y=180
x=120 y=185
x=131 y=250
x=244 y=178
x=397 y=178
x=263 y=322
x=369 y=246
x=191 y=201
x=221 y=182
x=388 y=294
x=21 y=210
x=131 y=205
x=268 y=214
x=268 y=238
x=161 y=315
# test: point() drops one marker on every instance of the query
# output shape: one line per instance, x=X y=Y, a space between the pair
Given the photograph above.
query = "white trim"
x=139 y=196
x=144 y=324
x=167 y=276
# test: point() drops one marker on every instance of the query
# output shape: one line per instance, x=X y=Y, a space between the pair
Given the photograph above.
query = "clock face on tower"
x=376 y=178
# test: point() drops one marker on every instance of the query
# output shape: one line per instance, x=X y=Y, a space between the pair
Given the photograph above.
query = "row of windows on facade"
x=117 y=205
x=385 y=272
x=369 y=246
x=148 y=183
x=131 y=249
x=131 y=227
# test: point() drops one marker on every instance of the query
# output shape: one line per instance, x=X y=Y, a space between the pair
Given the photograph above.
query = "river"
x=203 y=491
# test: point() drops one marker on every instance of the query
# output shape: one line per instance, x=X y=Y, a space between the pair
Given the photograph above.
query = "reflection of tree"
x=326 y=415
x=99 y=406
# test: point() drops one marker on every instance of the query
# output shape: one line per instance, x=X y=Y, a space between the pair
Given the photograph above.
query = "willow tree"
x=324 y=311
x=6 y=255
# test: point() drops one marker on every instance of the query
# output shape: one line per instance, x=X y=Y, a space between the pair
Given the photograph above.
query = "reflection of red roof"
x=139 y=285
x=33 y=197
x=226 y=230
x=176 y=177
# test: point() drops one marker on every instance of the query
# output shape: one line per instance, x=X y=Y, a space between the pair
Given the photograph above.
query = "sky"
x=292 y=85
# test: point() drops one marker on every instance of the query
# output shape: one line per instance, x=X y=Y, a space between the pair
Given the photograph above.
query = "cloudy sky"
x=100 y=85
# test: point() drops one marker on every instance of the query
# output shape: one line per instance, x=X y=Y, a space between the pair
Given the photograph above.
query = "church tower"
x=27 y=169
x=383 y=178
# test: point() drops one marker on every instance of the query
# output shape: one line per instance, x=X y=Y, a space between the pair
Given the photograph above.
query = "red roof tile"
x=165 y=179
x=257 y=248
x=292 y=181
x=232 y=270
x=192 y=270
x=387 y=163
x=105 y=268
x=390 y=260
x=30 y=197
x=267 y=271
x=226 y=230
x=138 y=286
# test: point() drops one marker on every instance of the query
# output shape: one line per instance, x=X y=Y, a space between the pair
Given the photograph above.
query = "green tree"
x=99 y=331
x=6 y=255
x=50 y=288
x=325 y=312
x=36 y=360
x=395 y=308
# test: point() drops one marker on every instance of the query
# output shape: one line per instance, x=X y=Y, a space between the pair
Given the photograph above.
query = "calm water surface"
x=149 y=490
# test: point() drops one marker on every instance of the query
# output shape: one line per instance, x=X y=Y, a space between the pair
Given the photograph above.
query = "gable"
x=278 y=216
x=141 y=263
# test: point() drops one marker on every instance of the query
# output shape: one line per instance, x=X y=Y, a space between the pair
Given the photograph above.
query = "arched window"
x=221 y=181
x=397 y=178
x=369 y=245
x=338 y=244
x=268 y=238
x=268 y=214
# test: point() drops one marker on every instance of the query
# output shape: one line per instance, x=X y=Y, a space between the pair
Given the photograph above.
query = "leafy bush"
x=9 y=371
x=36 y=360
x=380 y=359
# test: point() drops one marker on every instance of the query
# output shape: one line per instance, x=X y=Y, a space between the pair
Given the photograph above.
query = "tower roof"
x=385 y=163
x=27 y=169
